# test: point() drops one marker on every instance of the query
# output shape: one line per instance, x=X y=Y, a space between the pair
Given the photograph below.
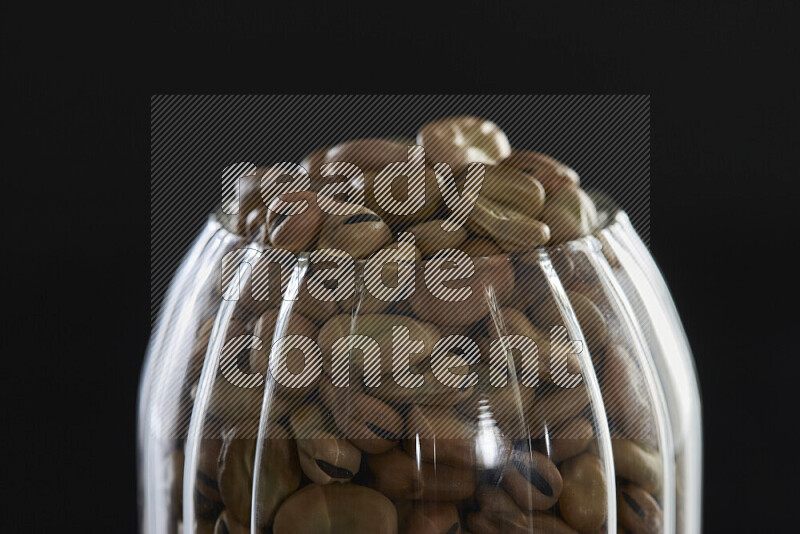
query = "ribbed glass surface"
x=559 y=396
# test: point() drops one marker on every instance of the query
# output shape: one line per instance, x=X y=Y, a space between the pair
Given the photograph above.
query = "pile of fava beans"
x=527 y=198
x=389 y=460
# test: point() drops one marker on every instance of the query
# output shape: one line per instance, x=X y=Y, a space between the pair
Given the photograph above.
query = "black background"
x=78 y=82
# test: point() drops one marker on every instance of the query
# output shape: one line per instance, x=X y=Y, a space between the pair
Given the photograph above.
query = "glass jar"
x=545 y=391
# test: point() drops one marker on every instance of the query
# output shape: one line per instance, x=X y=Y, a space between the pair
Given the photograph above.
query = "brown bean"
x=481 y=523
x=432 y=518
x=514 y=190
x=459 y=141
x=311 y=307
x=233 y=401
x=491 y=284
x=638 y=510
x=279 y=476
x=295 y=360
x=498 y=506
x=570 y=214
x=510 y=321
x=607 y=250
x=363 y=302
x=312 y=163
x=430 y=237
x=583 y=499
x=591 y=320
x=432 y=392
x=200 y=345
x=324 y=458
x=638 y=464
x=513 y=230
x=262 y=290
x=432 y=200
x=378 y=327
x=439 y=435
x=296 y=232
x=336 y=508
x=370 y=424
x=532 y=286
x=625 y=396
x=570 y=438
x=552 y=174
x=359 y=234
x=265 y=330
x=399 y=476
x=523 y=412
x=509 y=406
x=532 y=480
x=557 y=405
x=236 y=477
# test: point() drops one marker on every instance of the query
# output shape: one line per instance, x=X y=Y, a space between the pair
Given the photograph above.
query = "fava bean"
x=399 y=476
x=552 y=174
x=324 y=458
x=360 y=233
x=543 y=522
x=279 y=476
x=638 y=464
x=570 y=438
x=439 y=435
x=625 y=396
x=514 y=231
x=201 y=526
x=491 y=284
x=364 y=302
x=432 y=392
x=553 y=357
x=515 y=190
x=460 y=141
x=378 y=327
x=570 y=214
x=638 y=510
x=557 y=405
x=430 y=237
x=296 y=232
x=497 y=505
x=400 y=190
x=591 y=320
x=532 y=480
x=370 y=424
x=583 y=499
x=265 y=329
x=335 y=509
